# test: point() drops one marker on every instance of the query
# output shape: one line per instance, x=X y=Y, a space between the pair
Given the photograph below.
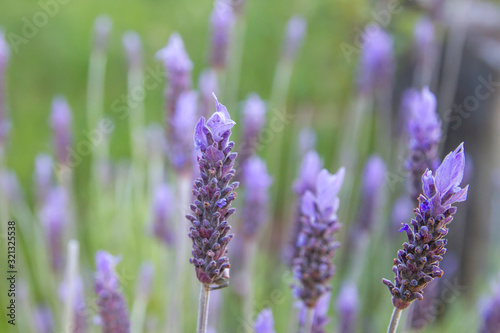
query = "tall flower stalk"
x=417 y=263
x=213 y=192
x=4 y=122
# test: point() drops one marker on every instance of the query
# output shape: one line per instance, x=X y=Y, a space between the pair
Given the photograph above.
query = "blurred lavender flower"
x=491 y=313
x=295 y=33
x=11 y=187
x=418 y=263
x=222 y=21
x=133 y=49
x=54 y=218
x=102 y=29
x=376 y=66
x=371 y=193
x=320 y=319
x=255 y=208
x=178 y=67
x=313 y=267
x=424 y=130
x=4 y=59
x=112 y=306
x=79 y=324
x=424 y=311
x=425 y=45
x=163 y=210
x=401 y=212
x=254 y=119
x=42 y=177
x=213 y=192
x=307 y=140
x=180 y=145
x=347 y=308
x=60 y=121
x=264 y=322
x=43 y=319
x=145 y=280
x=207 y=85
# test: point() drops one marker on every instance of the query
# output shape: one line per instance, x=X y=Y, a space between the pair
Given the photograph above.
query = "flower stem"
x=309 y=320
x=396 y=315
x=203 y=308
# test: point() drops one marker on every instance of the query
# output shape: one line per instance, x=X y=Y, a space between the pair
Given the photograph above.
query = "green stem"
x=393 y=325
x=309 y=320
x=203 y=308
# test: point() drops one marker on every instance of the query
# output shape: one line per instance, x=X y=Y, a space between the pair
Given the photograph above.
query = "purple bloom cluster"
x=425 y=45
x=60 y=120
x=295 y=33
x=213 y=192
x=417 y=263
x=4 y=59
x=112 y=306
x=313 y=266
x=257 y=182
x=222 y=21
x=424 y=130
x=264 y=322
x=162 y=211
x=347 y=308
x=254 y=119
x=42 y=177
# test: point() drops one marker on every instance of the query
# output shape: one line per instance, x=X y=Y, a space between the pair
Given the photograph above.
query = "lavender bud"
x=42 y=177
x=60 y=121
x=112 y=307
x=102 y=29
x=347 y=308
x=133 y=49
x=312 y=267
x=4 y=59
x=163 y=211
x=79 y=324
x=424 y=42
x=207 y=85
x=295 y=33
x=254 y=119
x=264 y=322
x=376 y=66
x=424 y=130
x=43 y=319
x=491 y=313
x=145 y=280
x=222 y=21
x=257 y=182
x=371 y=192
x=418 y=263
x=180 y=145
x=307 y=140
x=53 y=218
x=178 y=67
x=209 y=226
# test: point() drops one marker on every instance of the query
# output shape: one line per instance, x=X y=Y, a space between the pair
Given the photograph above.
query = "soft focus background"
x=322 y=93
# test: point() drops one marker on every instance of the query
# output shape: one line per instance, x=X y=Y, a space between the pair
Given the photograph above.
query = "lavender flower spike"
x=42 y=177
x=180 y=145
x=79 y=324
x=213 y=192
x=376 y=66
x=264 y=322
x=222 y=21
x=162 y=211
x=254 y=119
x=133 y=49
x=207 y=85
x=257 y=182
x=347 y=308
x=4 y=59
x=417 y=263
x=313 y=266
x=102 y=29
x=424 y=130
x=491 y=313
x=112 y=306
x=295 y=33
x=60 y=120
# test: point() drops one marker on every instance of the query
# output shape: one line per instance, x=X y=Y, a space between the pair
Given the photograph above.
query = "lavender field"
x=250 y=166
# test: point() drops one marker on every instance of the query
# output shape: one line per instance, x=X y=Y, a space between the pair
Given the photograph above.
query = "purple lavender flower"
x=162 y=211
x=133 y=49
x=79 y=324
x=102 y=29
x=207 y=85
x=4 y=59
x=112 y=306
x=42 y=177
x=371 y=192
x=424 y=130
x=264 y=322
x=43 y=320
x=180 y=145
x=313 y=267
x=254 y=119
x=401 y=211
x=418 y=263
x=257 y=182
x=60 y=120
x=307 y=140
x=295 y=33
x=54 y=218
x=376 y=66
x=145 y=280
x=491 y=313
x=424 y=41
x=347 y=308
x=320 y=319
x=222 y=21
x=178 y=67
x=213 y=192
